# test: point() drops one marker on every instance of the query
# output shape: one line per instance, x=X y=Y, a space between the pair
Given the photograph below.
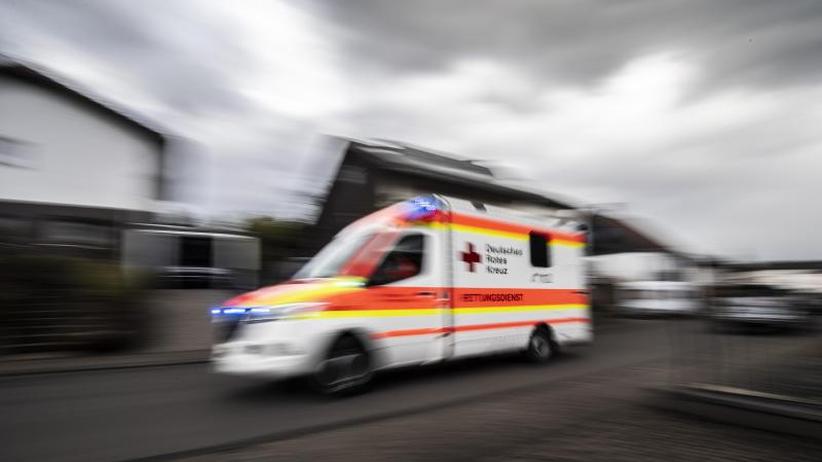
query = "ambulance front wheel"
x=345 y=369
x=541 y=346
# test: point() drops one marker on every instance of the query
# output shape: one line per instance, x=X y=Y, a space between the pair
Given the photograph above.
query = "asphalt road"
x=127 y=414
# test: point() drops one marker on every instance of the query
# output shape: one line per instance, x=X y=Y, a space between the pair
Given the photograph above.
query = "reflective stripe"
x=509 y=228
x=475 y=327
x=556 y=239
x=376 y=313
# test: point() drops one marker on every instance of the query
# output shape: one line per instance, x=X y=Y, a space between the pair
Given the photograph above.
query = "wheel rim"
x=540 y=346
x=343 y=371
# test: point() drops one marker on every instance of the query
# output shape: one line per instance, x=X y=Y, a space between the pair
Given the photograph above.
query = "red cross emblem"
x=471 y=257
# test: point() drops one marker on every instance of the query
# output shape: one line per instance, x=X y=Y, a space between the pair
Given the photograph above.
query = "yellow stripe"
x=502 y=234
x=490 y=232
x=563 y=242
x=380 y=313
x=334 y=287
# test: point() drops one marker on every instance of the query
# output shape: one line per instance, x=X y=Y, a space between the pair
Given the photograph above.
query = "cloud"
x=167 y=51
x=575 y=42
x=698 y=114
x=709 y=170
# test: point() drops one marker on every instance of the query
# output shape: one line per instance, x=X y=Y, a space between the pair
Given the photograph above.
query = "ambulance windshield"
x=333 y=257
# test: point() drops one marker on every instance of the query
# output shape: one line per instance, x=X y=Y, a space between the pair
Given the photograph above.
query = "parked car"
x=752 y=305
x=657 y=298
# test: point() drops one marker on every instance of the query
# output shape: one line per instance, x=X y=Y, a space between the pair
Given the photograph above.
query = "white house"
x=73 y=169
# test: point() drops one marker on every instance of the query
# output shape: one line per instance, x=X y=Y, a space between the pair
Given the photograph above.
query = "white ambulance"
x=425 y=280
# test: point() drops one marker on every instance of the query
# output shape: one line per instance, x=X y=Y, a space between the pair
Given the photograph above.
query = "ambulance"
x=419 y=282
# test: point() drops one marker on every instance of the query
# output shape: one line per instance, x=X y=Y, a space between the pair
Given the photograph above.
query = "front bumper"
x=258 y=360
x=277 y=349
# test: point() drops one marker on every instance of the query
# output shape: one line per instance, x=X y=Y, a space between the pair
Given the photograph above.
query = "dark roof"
x=416 y=162
x=27 y=72
x=813 y=265
x=616 y=236
x=611 y=235
x=407 y=154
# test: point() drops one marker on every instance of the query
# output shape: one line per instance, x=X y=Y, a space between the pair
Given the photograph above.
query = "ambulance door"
x=473 y=283
x=490 y=260
x=408 y=294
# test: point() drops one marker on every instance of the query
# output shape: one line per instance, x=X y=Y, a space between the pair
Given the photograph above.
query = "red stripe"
x=410 y=332
x=497 y=297
x=474 y=327
x=388 y=297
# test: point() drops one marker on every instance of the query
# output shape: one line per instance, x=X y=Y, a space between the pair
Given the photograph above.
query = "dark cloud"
x=179 y=57
x=751 y=42
x=728 y=161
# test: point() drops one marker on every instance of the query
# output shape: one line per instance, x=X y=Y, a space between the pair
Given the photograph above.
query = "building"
x=367 y=176
x=73 y=168
x=371 y=175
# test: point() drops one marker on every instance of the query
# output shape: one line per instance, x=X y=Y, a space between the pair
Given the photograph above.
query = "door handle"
x=425 y=293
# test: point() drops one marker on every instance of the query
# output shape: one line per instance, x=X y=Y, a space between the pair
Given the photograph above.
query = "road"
x=127 y=414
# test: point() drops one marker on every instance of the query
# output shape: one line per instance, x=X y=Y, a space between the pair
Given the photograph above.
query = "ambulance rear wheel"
x=541 y=346
x=346 y=369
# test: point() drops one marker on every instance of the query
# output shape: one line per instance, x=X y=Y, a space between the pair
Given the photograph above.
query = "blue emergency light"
x=422 y=207
x=239 y=310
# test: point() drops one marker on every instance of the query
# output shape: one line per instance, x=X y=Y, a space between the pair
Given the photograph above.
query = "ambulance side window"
x=540 y=250
x=403 y=261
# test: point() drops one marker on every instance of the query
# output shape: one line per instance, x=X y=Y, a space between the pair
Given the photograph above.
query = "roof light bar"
x=423 y=207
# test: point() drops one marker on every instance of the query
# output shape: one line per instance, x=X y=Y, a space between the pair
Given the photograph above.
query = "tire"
x=346 y=368
x=541 y=346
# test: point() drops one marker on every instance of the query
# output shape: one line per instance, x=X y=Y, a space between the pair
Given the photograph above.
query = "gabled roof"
x=414 y=161
x=28 y=72
x=804 y=265
x=611 y=235
x=617 y=236
x=406 y=154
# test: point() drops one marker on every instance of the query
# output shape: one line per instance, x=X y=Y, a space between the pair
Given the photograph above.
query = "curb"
x=25 y=367
x=773 y=413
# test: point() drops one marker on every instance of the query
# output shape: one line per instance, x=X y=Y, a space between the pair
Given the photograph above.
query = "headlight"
x=267 y=313
x=272 y=349
x=276 y=312
x=261 y=314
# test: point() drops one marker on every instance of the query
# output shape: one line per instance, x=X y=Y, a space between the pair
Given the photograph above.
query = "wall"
x=73 y=154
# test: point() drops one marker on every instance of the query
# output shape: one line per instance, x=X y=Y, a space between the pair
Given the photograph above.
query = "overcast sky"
x=702 y=116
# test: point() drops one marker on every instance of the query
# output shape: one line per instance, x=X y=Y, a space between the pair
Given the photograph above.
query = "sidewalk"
x=181 y=334
x=779 y=394
x=46 y=364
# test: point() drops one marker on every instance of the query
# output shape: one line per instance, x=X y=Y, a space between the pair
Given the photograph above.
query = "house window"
x=15 y=153
x=540 y=249
x=196 y=251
